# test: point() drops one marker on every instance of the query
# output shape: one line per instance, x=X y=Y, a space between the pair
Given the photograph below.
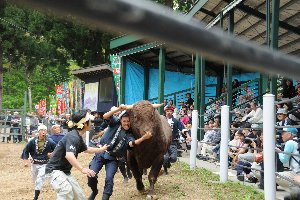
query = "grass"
x=208 y=183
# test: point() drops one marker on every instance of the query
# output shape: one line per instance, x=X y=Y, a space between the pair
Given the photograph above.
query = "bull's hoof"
x=143 y=192
x=151 y=197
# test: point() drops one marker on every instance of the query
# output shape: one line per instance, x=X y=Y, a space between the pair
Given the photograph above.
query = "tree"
x=33 y=42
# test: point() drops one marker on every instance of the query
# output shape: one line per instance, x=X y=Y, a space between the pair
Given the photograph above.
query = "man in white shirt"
x=256 y=114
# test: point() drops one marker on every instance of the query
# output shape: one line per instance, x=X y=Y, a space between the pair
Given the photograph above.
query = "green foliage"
x=180 y=5
x=42 y=50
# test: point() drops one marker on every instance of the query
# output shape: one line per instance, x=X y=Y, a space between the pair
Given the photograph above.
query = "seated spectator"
x=213 y=138
x=290 y=146
x=288 y=88
x=256 y=114
x=234 y=145
x=240 y=150
x=248 y=95
x=185 y=120
x=293 y=115
x=238 y=116
x=297 y=94
x=283 y=119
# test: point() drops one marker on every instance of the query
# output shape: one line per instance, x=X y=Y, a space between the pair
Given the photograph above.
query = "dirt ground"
x=16 y=182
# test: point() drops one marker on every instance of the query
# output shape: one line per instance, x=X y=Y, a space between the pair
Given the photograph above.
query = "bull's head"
x=144 y=117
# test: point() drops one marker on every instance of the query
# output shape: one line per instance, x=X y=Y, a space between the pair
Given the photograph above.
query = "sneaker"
x=240 y=177
x=251 y=180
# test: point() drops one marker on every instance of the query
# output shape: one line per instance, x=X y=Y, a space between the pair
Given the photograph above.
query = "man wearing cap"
x=39 y=148
x=283 y=118
x=56 y=135
x=291 y=146
x=171 y=155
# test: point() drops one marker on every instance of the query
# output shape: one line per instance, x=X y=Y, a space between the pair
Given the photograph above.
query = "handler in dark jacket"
x=119 y=137
x=176 y=126
x=39 y=149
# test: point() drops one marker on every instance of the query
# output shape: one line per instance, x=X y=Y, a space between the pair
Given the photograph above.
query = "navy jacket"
x=38 y=158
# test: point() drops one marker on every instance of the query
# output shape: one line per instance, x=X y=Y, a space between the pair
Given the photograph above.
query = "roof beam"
x=264 y=32
x=260 y=15
x=120 y=41
x=296 y=52
x=196 y=8
x=167 y=59
x=138 y=49
x=289 y=43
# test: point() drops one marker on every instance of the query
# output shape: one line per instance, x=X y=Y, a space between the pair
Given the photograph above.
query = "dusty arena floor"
x=16 y=182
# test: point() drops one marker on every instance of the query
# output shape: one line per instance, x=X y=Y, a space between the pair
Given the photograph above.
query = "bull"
x=150 y=154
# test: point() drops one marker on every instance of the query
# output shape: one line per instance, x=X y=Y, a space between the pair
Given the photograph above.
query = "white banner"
x=91 y=96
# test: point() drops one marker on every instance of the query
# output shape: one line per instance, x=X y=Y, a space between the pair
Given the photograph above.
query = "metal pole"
x=269 y=145
x=202 y=96
x=194 y=142
x=123 y=79
x=229 y=66
x=161 y=78
x=197 y=82
x=146 y=83
x=274 y=40
x=23 y=123
x=224 y=143
x=268 y=22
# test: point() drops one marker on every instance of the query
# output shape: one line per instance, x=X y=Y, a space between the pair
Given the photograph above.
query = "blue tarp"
x=174 y=82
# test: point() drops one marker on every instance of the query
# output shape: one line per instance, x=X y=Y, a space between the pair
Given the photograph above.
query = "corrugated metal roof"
x=250 y=23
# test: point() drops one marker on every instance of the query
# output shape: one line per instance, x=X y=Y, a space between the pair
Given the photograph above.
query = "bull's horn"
x=129 y=107
x=155 y=105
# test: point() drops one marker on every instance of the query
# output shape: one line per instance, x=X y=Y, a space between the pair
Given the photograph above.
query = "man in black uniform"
x=119 y=137
x=65 y=155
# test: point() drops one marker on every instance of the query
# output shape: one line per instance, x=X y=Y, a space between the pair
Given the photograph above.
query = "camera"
x=250 y=140
x=280 y=146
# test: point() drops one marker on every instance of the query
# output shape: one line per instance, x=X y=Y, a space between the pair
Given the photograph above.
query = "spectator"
x=256 y=114
x=290 y=146
x=56 y=133
x=64 y=124
x=235 y=85
x=97 y=122
x=176 y=126
x=293 y=115
x=288 y=88
x=189 y=100
x=283 y=119
x=238 y=116
x=247 y=110
x=185 y=120
x=234 y=145
x=247 y=96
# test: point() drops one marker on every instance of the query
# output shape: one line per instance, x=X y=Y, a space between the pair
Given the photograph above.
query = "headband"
x=82 y=121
